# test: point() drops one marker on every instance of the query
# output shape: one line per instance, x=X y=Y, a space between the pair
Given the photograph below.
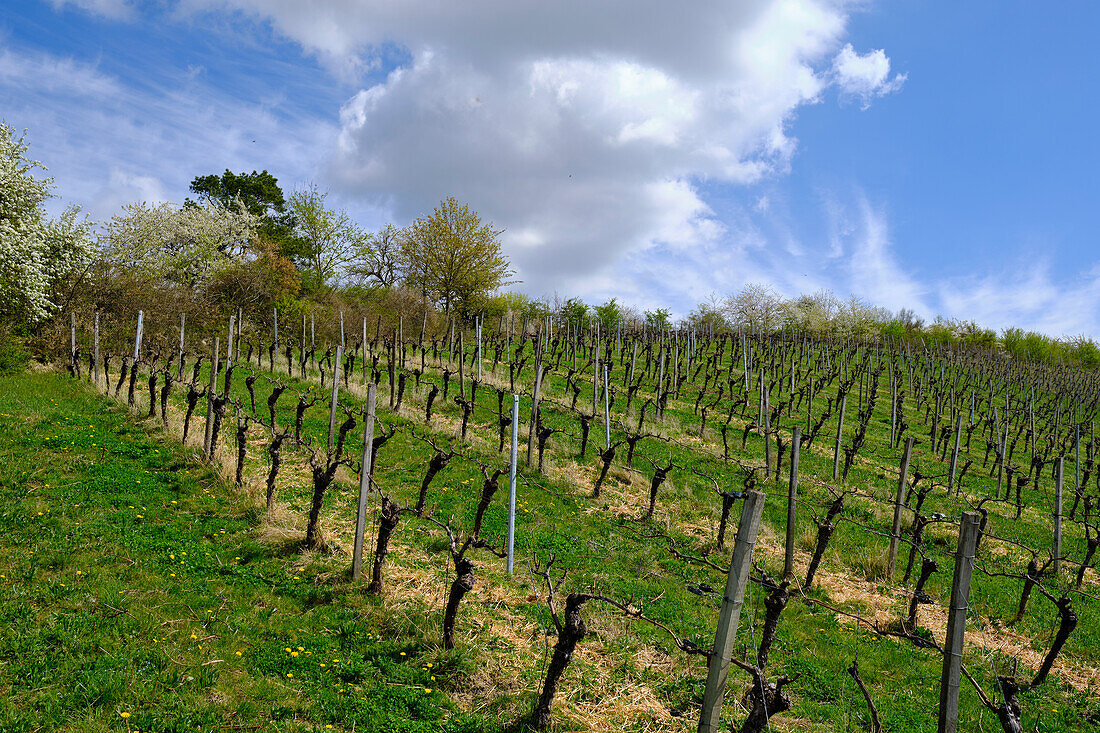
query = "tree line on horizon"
x=241 y=243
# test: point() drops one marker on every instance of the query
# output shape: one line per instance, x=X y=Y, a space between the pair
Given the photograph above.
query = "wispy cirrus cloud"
x=111 y=9
x=108 y=141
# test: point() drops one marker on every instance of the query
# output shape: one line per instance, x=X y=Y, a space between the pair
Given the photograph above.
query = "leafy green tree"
x=453 y=258
x=610 y=313
x=658 y=318
x=1012 y=340
x=259 y=192
x=942 y=331
x=971 y=333
x=262 y=197
x=37 y=255
x=330 y=239
x=1086 y=352
x=708 y=316
x=574 y=312
x=814 y=313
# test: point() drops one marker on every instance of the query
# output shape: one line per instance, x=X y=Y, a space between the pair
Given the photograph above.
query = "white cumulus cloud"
x=586 y=130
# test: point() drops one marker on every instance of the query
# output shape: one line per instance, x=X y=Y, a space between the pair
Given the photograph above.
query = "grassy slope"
x=135 y=597
x=633 y=678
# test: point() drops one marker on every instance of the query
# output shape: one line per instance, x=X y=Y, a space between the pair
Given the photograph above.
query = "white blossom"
x=178 y=245
x=36 y=253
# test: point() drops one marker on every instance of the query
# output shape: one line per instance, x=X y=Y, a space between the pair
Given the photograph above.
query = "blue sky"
x=932 y=156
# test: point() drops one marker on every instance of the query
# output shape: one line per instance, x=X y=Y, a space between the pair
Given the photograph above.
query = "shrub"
x=14 y=357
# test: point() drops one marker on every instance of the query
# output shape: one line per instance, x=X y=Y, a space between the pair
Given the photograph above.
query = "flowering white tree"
x=181 y=246
x=37 y=254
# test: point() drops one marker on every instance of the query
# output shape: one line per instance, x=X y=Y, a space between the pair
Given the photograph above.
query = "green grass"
x=600 y=549
x=135 y=596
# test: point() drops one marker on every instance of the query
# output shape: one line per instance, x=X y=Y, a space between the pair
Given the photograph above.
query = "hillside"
x=147 y=570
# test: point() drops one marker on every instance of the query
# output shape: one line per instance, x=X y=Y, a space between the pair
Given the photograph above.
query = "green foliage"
x=256 y=284
x=1086 y=352
x=708 y=317
x=259 y=192
x=453 y=258
x=575 y=313
x=610 y=313
x=894 y=329
x=14 y=357
x=330 y=239
x=657 y=318
x=941 y=332
x=261 y=196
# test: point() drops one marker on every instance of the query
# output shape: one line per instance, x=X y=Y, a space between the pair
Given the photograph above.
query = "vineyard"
x=513 y=523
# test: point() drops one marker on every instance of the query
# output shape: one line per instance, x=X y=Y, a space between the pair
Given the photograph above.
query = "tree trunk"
x=462 y=584
x=572 y=631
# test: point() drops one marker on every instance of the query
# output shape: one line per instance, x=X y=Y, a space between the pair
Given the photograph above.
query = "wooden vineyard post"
x=956 y=624
x=183 y=323
x=335 y=395
x=730 y=612
x=534 y=413
x=72 y=341
x=1058 y=515
x=899 y=501
x=95 y=350
x=512 y=484
x=211 y=389
x=633 y=361
x=364 y=484
x=792 y=505
x=479 y=350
